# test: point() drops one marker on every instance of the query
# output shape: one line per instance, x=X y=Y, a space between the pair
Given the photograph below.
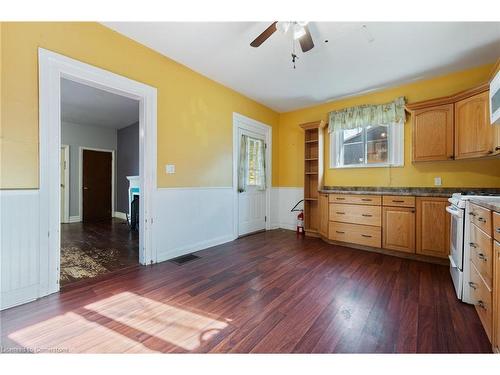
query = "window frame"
x=395 y=149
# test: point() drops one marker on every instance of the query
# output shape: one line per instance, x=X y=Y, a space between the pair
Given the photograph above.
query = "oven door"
x=456 y=235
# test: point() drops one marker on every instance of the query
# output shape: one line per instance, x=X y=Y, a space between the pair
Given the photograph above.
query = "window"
x=372 y=146
x=255 y=151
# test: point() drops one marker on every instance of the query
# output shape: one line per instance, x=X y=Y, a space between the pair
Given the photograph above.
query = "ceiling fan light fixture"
x=298 y=31
x=283 y=26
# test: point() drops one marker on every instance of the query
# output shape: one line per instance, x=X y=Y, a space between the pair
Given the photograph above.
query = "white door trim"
x=51 y=68
x=246 y=123
x=65 y=218
x=80 y=178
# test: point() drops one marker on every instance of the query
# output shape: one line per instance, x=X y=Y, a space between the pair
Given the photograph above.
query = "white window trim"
x=396 y=150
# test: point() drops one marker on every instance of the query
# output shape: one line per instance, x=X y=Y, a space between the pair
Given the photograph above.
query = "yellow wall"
x=194 y=112
x=471 y=173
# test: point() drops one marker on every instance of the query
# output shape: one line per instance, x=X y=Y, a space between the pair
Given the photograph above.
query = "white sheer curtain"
x=252 y=164
x=243 y=164
x=261 y=165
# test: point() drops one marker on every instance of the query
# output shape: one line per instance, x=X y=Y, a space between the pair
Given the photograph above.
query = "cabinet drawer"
x=357 y=234
x=398 y=201
x=355 y=199
x=481 y=297
x=481 y=217
x=481 y=254
x=355 y=214
x=496 y=225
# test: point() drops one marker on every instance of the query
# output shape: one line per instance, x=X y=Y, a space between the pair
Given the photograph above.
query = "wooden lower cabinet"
x=481 y=296
x=496 y=297
x=365 y=235
x=323 y=215
x=432 y=227
x=399 y=229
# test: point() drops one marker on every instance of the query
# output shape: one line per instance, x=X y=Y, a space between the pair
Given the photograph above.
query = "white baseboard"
x=120 y=215
x=191 y=248
x=74 y=219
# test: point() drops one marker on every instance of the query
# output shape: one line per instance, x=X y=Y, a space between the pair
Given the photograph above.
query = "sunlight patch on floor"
x=72 y=333
x=172 y=324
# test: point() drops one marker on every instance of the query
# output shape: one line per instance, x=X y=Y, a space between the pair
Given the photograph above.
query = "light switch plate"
x=437 y=181
x=170 y=168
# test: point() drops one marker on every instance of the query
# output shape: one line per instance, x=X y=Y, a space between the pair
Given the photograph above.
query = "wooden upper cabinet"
x=474 y=135
x=433 y=227
x=433 y=133
x=496 y=139
x=399 y=229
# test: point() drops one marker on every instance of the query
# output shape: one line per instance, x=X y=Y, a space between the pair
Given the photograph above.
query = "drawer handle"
x=365 y=235
x=497 y=230
x=340 y=199
x=366 y=215
x=339 y=232
x=481 y=304
x=482 y=257
x=481 y=219
x=340 y=213
x=473 y=285
x=472 y=244
x=472 y=214
x=397 y=201
x=366 y=199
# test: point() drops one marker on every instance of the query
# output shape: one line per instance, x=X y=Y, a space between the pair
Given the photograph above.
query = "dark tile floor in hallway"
x=266 y=293
x=89 y=250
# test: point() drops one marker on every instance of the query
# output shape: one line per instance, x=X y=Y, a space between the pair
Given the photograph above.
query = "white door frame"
x=246 y=123
x=51 y=68
x=65 y=218
x=80 y=178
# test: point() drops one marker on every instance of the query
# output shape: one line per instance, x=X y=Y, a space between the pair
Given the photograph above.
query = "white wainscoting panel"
x=287 y=198
x=19 y=247
x=191 y=219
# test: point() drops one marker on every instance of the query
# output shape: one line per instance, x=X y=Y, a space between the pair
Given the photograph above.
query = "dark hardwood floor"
x=265 y=293
x=90 y=250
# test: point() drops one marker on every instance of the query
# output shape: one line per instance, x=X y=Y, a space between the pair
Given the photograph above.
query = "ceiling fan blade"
x=306 y=42
x=266 y=34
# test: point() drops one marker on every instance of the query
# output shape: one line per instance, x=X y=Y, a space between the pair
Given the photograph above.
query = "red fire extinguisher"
x=300 y=218
x=300 y=223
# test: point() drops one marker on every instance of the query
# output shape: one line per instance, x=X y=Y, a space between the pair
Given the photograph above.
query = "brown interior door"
x=96 y=176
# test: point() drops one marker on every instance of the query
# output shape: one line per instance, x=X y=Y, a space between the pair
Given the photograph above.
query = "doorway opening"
x=100 y=134
x=251 y=175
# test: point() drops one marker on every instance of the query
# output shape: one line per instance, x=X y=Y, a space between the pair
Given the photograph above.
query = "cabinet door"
x=496 y=297
x=433 y=133
x=496 y=138
x=399 y=229
x=433 y=227
x=323 y=215
x=474 y=135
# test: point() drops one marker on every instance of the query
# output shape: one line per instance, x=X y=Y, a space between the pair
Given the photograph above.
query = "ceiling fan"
x=299 y=29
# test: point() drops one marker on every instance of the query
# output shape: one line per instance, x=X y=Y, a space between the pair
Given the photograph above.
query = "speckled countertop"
x=416 y=191
x=491 y=203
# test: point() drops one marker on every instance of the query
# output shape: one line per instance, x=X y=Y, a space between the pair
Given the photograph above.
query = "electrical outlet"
x=437 y=181
x=170 y=168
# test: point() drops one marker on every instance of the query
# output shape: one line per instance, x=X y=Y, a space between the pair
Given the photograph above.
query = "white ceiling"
x=87 y=105
x=348 y=64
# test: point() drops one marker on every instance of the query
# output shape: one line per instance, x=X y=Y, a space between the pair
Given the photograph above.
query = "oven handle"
x=454 y=211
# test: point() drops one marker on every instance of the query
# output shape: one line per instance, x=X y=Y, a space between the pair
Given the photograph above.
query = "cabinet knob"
x=482 y=257
x=472 y=285
x=481 y=304
x=472 y=244
x=481 y=219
